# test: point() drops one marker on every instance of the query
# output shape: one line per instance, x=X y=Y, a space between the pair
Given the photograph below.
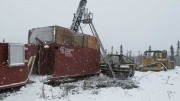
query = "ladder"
x=104 y=55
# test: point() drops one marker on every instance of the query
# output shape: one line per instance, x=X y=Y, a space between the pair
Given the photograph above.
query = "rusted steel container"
x=17 y=75
x=65 y=53
x=80 y=40
x=92 y=42
x=75 y=61
x=64 y=36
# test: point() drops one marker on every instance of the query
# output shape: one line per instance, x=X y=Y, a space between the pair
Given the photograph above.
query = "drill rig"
x=108 y=67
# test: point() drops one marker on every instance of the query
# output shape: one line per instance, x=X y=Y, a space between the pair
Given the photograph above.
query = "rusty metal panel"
x=74 y=61
x=92 y=42
x=85 y=40
x=67 y=37
x=64 y=36
x=80 y=40
x=45 y=34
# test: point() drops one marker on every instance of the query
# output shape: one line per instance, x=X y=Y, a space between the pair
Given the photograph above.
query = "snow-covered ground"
x=153 y=86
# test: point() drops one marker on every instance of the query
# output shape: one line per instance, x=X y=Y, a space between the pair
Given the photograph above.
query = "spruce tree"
x=149 y=48
x=112 y=50
x=172 y=53
x=178 y=49
x=149 y=54
x=121 y=49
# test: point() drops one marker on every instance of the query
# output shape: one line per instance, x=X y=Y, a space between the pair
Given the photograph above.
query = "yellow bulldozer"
x=156 y=61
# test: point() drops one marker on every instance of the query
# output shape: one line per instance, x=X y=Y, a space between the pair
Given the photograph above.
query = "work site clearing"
x=61 y=63
x=144 y=86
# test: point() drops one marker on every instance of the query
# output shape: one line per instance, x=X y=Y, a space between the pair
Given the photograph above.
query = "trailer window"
x=16 y=55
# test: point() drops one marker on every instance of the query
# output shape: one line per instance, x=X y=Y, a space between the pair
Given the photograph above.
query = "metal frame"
x=78 y=15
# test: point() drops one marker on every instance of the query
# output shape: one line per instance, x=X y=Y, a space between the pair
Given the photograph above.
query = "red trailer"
x=14 y=64
x=65 y=53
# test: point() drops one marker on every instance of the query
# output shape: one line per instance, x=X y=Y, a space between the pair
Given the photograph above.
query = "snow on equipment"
x=59 y=53
x=65 y=52
x=156 y=61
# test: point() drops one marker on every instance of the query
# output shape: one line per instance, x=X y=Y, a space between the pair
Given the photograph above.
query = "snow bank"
x=153 y=86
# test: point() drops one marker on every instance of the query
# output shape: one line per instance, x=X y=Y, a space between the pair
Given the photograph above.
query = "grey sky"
x=134 y=23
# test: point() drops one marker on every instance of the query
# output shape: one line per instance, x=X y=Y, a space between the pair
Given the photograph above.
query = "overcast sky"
x=135 y=24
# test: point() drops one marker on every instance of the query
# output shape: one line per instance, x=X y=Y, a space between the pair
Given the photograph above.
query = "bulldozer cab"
x=155 y=54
